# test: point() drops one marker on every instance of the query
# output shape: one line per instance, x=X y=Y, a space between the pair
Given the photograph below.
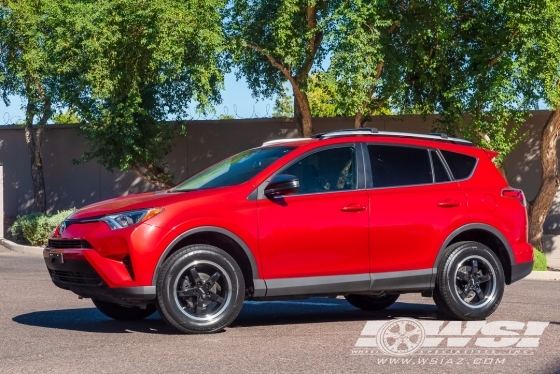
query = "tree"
x=277 y=41
x=67 y=117
x=28 y=70
x=283 y=104
x=132 y=65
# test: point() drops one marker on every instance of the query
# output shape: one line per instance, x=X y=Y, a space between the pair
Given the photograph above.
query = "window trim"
x=445 y=166
x=360 y=171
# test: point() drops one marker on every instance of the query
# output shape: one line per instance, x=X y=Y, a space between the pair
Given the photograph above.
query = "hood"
x=132 y=202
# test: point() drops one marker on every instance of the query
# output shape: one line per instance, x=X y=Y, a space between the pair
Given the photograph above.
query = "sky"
x=236 y=101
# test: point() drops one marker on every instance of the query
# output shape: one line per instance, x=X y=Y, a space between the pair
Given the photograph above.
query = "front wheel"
x=200 y=289
x=124 y=313
x=470 y=282
x=372 y=302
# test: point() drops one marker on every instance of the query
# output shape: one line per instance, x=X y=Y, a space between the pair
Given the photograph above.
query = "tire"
x=200 y=289
x=469 y=282
x=372 y=302
x=123 y=313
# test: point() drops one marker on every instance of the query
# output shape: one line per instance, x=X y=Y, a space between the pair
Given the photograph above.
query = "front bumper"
x=70 y=270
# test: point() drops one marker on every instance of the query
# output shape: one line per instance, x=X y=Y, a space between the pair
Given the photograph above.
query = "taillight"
x=515 y=193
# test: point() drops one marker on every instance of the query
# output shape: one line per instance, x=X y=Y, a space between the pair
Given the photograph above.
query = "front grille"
x=68 y=243
x=128 y=265
x=77 y=278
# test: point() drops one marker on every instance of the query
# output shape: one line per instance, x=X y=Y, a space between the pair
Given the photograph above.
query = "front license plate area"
x=56 y=257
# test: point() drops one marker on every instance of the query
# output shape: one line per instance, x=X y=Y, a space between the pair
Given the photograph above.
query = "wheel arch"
x=487 y=235
x=223 y=239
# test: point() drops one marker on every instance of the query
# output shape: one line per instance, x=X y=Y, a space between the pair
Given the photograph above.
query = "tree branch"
x=497 y=58
x=278 y=65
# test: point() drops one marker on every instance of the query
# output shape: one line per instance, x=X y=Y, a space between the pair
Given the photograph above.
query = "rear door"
x=414 y=205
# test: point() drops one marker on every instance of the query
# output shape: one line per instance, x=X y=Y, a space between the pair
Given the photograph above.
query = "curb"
x=544 y=276
x=21 y=248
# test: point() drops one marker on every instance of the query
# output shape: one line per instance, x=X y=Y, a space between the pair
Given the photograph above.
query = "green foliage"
x=131 y=65
x=283 y=104
x=540 y=263
x=35 y=228
x=68 y=117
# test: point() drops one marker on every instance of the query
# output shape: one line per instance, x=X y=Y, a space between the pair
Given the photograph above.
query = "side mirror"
x=281 y=184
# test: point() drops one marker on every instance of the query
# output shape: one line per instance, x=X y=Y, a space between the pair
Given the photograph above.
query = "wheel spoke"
x=210 y=282
x=484 y=278
x=186 y=293
x=474 y=268
x=194 y=274
x=463 y=276
x=199 y=305
x=479 y=293
x=466 y=293
x=217 y=298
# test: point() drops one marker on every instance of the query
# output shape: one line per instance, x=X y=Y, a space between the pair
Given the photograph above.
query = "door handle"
x=449 y=203
x=353 y=208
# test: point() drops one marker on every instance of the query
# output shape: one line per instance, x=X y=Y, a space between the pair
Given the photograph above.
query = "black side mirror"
x=281 y=184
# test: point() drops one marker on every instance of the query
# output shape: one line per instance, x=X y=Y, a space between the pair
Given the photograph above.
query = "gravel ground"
x=47 y=330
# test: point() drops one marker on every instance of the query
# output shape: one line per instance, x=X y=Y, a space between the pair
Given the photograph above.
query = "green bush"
x=540 y=261
x=35 y=228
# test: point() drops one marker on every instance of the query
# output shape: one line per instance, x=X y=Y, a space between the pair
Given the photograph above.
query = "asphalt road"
x=47 y=330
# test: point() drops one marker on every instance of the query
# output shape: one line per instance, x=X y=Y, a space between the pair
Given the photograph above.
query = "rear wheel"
x=200 y=289
x=123 y=313
x=470 y=282
x=372 y=302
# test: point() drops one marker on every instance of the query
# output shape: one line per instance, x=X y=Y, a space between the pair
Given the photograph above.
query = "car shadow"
x=253 y=314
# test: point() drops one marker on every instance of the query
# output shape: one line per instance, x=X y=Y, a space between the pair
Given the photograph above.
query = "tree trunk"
x=302 y=113
x=33 y=140
x=359 y=120
x=550 y=181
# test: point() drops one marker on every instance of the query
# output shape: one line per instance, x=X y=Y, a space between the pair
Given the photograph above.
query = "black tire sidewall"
x=445 y=287
x=172 y=269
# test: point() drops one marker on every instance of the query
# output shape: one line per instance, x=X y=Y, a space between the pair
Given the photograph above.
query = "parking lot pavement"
x=44 y=329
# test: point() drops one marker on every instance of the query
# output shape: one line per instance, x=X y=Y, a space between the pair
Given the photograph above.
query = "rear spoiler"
x=491 y=154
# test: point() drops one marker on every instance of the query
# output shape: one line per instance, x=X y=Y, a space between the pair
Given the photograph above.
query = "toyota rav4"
x=365 y=214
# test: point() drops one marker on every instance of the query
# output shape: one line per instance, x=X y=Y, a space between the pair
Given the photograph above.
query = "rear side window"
x=393 y=166
x=461 y=165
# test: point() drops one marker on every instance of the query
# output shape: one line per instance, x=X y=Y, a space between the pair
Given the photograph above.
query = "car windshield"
x=234 y=170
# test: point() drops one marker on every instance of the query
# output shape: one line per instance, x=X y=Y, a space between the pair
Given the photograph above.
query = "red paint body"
x=398 y=229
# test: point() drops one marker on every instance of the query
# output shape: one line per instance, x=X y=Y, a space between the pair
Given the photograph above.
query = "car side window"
x=461 y=165
x=440 y=174
x=329 y=170
x=393 y=166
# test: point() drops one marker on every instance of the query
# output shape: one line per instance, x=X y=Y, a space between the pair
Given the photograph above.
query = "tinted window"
x=440 y=174
x=324 y=171
x=461 y=165
x=399 y=166
x=234 y=170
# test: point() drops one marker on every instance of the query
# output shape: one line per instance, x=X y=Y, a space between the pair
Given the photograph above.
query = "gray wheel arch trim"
x=475 y=226
x=220 y=230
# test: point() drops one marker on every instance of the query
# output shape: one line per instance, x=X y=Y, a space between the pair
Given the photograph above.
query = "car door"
x=320 y=231
x=414 y=205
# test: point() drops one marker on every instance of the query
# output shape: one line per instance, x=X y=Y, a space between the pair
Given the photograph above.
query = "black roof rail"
x=344 y=132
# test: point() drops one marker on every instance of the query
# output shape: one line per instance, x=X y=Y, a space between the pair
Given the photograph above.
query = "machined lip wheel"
x=203 y=290
x=475 y=282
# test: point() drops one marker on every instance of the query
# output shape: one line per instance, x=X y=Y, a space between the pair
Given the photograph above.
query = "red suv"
x=362 y=213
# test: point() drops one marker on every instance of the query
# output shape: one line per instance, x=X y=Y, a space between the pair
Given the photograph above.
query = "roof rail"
x=373 y=131
x=345 y=132
x=278 y=141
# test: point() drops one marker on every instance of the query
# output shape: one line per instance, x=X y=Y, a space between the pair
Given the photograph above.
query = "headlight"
x=127 y=219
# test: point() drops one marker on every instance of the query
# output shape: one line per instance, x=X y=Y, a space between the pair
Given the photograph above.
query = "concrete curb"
x=21 y=248
x=544 y=276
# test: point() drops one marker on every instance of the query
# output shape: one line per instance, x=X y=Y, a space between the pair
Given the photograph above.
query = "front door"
x=322 y=230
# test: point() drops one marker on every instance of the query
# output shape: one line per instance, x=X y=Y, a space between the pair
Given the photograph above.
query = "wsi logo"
x=406 y=336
